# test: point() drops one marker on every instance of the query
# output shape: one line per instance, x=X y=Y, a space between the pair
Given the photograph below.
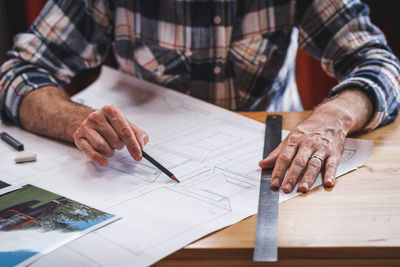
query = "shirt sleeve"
x=354 y=51
x=68 y=36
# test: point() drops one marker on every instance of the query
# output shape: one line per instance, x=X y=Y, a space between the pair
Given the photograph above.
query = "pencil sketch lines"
x=206 y=142
x=136 y=169
x=349 y=153
x=172 y=211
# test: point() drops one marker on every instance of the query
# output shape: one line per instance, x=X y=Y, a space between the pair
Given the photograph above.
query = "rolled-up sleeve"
x=68 y=36
x=354 y=51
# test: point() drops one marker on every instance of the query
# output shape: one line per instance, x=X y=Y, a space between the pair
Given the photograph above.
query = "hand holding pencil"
x=107 y=129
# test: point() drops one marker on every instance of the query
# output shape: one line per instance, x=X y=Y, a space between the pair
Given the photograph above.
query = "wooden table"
x=357 y=223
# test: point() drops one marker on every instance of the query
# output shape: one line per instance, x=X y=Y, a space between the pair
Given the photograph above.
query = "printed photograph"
x=33 y=219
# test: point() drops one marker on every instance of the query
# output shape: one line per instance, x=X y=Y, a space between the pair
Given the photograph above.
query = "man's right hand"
x=49 y=111
x=105 y=130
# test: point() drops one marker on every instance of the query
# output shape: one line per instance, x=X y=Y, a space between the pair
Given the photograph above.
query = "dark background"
x=313 y=83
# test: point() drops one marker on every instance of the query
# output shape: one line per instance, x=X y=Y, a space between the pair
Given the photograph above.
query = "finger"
x=124 y=131
x=112 y=138
x=331 y=166
x=270 y=160
x=141 y=135
x=98 y=143
x=296 y=168
x=282 y=164
x=313 y=168
x=95 y=156
x=98 y=121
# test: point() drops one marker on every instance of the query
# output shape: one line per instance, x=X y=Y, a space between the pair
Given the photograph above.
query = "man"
x=236 y=54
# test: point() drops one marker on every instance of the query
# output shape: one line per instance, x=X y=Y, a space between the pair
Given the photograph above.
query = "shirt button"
x=263 y=58
x=217 y=20
x=217 y=70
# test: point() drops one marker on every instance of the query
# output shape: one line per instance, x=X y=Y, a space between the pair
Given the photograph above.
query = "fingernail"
x=304 y=186
x=287 y=188
x=329 y=181
x=275 y=182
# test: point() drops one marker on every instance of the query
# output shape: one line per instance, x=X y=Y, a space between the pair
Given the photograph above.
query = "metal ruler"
x=266 y=244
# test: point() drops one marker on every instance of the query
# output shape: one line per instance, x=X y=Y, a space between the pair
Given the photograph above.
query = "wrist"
x=352 y=108
x=48 y=111
x=335 y=112
x=77 y=114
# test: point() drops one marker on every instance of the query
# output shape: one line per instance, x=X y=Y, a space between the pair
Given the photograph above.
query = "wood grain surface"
x=357 y=223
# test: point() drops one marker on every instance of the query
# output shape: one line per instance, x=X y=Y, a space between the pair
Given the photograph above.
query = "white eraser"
x=25 y=156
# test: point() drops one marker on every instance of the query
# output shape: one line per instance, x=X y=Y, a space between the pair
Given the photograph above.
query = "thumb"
x=270 y=160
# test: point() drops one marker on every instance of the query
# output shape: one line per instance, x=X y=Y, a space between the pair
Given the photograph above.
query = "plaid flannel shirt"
x=238 y=54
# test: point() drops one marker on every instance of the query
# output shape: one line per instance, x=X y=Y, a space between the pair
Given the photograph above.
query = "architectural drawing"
x=349 y=152
x=213 y=152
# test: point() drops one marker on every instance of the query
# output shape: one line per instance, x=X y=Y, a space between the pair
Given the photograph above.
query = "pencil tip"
x=174 y=178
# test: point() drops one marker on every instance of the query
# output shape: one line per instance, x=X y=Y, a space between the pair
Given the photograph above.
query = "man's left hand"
x=317 y=143
x=314 y=144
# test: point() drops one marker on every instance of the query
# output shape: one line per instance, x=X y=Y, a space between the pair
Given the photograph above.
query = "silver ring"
x=317 y=157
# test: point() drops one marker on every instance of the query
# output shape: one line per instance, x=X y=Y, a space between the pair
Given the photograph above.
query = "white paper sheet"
x=9 y=189
x=214 y=152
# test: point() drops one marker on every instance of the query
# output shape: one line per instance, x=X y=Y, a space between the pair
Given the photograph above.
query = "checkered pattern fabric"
x=238 y=54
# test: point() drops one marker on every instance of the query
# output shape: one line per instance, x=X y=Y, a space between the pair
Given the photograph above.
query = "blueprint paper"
x=212 y=151
x=34 y=222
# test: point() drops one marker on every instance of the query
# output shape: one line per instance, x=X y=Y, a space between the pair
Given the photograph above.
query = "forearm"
x=350 y=109
x=366 y=62
x=49 y=111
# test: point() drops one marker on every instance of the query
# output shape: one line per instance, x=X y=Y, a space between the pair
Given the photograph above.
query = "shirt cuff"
x=373 y=91
x=18 y=83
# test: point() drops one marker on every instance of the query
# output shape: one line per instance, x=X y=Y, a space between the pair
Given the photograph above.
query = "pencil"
x=159 y=166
